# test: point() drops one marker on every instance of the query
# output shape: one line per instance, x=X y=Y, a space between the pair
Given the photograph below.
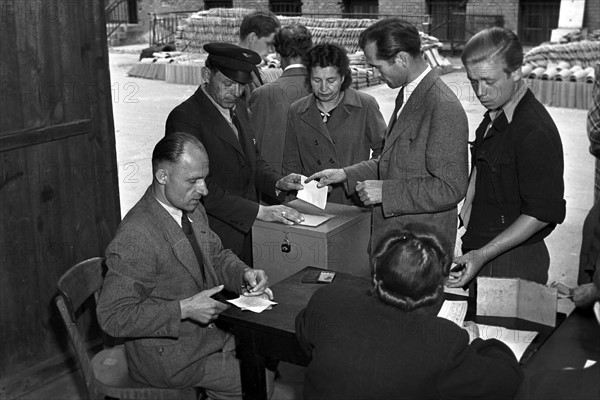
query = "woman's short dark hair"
x=410 y=266
x=293 y=40
x=171 y=147
x=329 y=55
x=495 y=44
x=261 y=22
x=391 y=36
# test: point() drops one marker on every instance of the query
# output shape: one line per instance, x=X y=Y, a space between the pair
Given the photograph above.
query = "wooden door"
x=59 y=201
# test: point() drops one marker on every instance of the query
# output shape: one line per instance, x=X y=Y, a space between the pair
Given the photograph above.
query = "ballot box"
x=339 y=244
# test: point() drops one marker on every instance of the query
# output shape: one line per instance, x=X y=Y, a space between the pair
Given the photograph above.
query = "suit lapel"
x=413 y=106
x=220 y=127
x=174 y=235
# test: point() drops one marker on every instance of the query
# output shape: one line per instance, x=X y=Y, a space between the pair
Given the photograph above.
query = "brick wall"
x=252 y=4
x=509 y=9
x=412 y=11
x=162 y=6
x=326 y=7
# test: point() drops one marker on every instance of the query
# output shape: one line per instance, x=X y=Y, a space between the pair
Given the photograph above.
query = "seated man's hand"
x=472 y=329
x=585 y=295
x=279 y=213
x=290 y=182
x=201 y=307
x=328 y=177
x=257 y=283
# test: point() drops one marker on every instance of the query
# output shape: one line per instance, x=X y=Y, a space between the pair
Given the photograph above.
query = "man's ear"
x=402 y=58
x=162 y=176
x=205 y=72
x=516 y=74
x=251 y=38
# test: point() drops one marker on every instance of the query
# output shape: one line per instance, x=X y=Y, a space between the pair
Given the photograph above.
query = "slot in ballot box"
x=340 y=243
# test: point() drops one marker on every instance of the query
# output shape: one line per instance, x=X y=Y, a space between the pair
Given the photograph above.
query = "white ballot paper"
x=517 y=341
x=255 y=304
x=454 y=311
x=312 y=194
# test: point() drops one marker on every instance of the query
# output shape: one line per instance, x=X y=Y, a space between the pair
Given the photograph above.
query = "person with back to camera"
x=388 y=343
x=336 y=125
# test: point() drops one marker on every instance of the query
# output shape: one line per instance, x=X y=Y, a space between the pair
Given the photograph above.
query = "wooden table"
x=271 y=334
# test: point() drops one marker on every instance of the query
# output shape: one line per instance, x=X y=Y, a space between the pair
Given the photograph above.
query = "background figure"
x=164 y=264
x=336 y=125
x=390 y=343
x=270 y=103
x=238 y=174
x=257 y=32
x=421 y=174
x=516 y=189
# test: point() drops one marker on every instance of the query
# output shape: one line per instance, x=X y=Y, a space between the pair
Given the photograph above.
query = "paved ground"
x=141 y=107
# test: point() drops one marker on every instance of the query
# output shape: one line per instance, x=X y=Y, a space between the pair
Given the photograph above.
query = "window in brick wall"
x=208 y=4
x=360 y=8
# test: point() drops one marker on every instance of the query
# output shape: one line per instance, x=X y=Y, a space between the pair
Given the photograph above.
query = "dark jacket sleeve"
x=484 y=369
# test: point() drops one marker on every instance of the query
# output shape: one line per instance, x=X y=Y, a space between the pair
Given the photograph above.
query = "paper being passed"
x=312 y=194
x=255 y=304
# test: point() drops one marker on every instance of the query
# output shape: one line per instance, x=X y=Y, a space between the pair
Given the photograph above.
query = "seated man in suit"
x=237 y=171
x=164 y=266
x=390 y=343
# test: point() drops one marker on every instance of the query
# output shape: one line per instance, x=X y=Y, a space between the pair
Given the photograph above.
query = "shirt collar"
x=409 y=88
x=511 y=104
x=294 y=66
x=224 y=111
x=176 y=213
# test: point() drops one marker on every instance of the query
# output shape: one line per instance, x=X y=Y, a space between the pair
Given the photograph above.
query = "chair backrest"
x=77 y=285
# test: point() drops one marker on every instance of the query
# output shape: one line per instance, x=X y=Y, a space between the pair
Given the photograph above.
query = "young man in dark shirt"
x=516 y=188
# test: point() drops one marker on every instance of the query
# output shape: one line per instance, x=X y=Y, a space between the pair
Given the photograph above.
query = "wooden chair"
x=106 y=373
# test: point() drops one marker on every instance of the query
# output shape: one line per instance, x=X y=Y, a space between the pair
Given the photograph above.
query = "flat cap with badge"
x=233 y=61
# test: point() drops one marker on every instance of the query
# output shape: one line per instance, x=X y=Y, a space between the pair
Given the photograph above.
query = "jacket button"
x=332 y=161
x=319 y=162
x=316 y=142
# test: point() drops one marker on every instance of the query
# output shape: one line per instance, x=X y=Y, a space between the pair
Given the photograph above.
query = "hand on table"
x=585 y=295
x=257 y=283
x=201 y=307
x=472 y=329
x=279 y=213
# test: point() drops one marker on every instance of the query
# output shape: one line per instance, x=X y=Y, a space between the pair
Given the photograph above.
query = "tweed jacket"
x=151 y=267
x=236 y=169
x=269 y=106
x=356 y=127
x=423 y=164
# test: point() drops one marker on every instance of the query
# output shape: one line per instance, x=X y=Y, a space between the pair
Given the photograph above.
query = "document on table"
x=517 y=341
x=312 y=194
x=314 y=220
x=454 y=311
x=255 y=304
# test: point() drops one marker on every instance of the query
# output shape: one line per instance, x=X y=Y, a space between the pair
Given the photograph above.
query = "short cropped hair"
x=391 y=36
x=293 y=41
x=409 y=267
x=170 y=148
x=329 y=55
x=261 y=22
x=494 y=44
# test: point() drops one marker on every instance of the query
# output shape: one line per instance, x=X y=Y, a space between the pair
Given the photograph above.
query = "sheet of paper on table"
x=454 y=311
x=517 y=341
x=255 y=304
x=314 y=220
x=312 y=194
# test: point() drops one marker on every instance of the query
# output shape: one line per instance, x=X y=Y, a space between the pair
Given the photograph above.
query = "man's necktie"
x=399 y=102
x=186 y=225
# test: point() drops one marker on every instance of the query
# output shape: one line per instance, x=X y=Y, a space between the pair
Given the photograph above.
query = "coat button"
x=332 y=161
x=316 y=142
x=319 y=162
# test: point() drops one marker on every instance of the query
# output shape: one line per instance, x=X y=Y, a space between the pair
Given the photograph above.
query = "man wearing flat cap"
x=238 y=174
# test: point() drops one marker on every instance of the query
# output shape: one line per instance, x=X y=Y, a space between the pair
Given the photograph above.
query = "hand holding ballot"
x=327 y=177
